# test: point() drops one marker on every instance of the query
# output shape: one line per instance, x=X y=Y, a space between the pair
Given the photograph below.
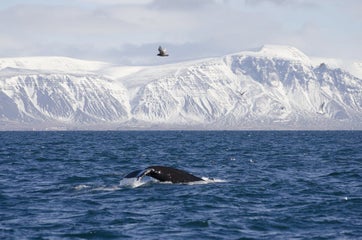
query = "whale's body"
x=164 y=174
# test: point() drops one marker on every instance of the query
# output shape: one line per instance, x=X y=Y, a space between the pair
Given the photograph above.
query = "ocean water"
x=261 y=185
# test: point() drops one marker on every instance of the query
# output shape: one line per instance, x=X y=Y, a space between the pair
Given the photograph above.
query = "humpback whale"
x=164 y=174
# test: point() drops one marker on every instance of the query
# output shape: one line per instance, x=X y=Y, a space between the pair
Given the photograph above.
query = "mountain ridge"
x=276 y=87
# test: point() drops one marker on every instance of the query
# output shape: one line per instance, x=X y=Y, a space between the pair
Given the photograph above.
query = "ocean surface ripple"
x=262 y=185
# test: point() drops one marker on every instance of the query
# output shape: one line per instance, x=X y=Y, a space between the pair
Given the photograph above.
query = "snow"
x=279 y=52
x=275 y=87
x=54 y=64
x=352 y=66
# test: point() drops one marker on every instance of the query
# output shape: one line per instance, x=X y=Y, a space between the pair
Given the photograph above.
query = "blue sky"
x=129 y=31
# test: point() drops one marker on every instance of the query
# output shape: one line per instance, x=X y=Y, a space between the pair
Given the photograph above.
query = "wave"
x=82 y=187
x=135 y=183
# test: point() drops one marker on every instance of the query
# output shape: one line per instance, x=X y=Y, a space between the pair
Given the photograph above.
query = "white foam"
x=213 y=180
x=113 y=188
x=84 y=186
x=207 y=181
x=81 y=187
x=134 y=182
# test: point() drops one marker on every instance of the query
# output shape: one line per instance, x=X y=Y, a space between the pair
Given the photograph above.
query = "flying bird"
x=162 y=52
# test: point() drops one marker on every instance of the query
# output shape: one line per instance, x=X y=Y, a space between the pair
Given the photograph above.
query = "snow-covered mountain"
x=275 y=87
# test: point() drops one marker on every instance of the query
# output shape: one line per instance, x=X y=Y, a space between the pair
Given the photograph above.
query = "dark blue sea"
x=261 y=185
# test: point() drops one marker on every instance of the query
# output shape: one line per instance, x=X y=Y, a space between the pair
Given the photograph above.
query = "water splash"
x=134 y=182
x=81 y=187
